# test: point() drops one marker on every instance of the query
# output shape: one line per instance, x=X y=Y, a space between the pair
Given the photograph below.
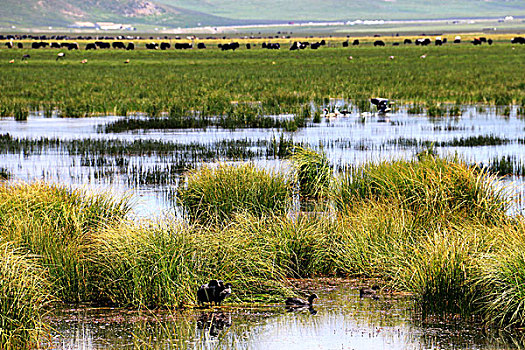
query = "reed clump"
x=432 y=187
x=213 y=195
x=312 y=172
x=24 y=295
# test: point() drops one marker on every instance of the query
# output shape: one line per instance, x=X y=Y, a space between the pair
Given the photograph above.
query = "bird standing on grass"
x=60 y=55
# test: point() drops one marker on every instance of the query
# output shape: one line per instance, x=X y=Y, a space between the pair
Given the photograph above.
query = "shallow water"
x=350 y=140
x=340 y=319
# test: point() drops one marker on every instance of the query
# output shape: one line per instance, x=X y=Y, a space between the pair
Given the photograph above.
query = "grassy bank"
x=433 y=227
x=239 y=88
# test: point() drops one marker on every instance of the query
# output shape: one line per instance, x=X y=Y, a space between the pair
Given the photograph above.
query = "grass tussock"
x=312 y=172
x=432 y=187
x=24 y=294
x=214 y=194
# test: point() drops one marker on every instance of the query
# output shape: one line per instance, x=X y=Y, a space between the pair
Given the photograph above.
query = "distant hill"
x=184 y=13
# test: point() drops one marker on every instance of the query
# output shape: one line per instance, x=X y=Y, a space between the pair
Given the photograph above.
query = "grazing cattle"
x=131 y=46
x=55 y=45
x=294 y=46
x=37 y=45
x=345 y=43
x=423 y=42
x=248 y=46
x=102 y=45
x=323 y=43
x=476 y=41
x=379 y=43
x=165 y=46
x=9 y=44
x=457 y=39
x=407 y=41
x=20 y=45
x=438 y=41
x=355 y=42
x=315 y=46
x=201 y=46
x=395 y=44
x=489 y=41
x=154 y=46
x=72 y=46
x=231 y=46
x=118 y=45
x=91 y=46
x=518 y=40
x=483 y=39
x=270 y=46
x=183 y=46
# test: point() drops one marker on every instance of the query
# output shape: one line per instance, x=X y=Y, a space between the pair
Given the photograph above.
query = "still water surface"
x=340 y=319
x=347 y=141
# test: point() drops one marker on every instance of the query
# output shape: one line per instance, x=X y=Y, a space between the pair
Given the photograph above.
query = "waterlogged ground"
x=340 y=319
x=479 y=135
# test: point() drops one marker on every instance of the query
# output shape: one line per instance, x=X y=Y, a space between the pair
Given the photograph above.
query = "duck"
x=214 y=291
x=297 y=302
x=369 y=292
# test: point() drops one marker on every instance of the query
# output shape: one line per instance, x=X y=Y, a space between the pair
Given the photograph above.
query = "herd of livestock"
x=38 y=43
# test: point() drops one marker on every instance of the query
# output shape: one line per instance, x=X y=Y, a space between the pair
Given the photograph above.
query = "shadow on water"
x=339 y=320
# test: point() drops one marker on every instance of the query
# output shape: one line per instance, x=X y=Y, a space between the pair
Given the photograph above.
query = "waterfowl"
x=369 y=292
x=300 y=302
x=382 y=104
x=214 y=291
x=60 y=55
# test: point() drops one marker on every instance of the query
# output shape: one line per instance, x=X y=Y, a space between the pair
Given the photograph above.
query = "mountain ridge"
x=187 y=13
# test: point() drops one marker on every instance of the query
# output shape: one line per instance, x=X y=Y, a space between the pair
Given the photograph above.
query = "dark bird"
x=60 y=55
x=213 y=292
x=382 y=104
x=300 y=302
x=26 y=57
x=369 y=292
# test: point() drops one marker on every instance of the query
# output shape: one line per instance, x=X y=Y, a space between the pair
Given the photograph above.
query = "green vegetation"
x=215 y=194
x=202 y=88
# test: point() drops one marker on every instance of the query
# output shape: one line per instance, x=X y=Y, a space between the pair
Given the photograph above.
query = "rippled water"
x=350 y=140
x=340 y=319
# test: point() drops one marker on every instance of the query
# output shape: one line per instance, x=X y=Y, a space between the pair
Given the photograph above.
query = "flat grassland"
x=281 y=81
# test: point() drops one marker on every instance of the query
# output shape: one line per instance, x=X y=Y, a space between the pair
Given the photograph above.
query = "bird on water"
x=301 y=302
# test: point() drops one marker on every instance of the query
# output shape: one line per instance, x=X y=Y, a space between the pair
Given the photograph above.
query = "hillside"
x=189 y=13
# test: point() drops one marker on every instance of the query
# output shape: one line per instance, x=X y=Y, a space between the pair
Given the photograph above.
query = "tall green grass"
x=57 y=224
x=213 y=195
x=432 y=187
x=24 y=295
x=312 y=172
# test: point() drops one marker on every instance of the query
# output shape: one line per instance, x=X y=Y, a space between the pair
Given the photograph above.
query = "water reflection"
x=341 y=320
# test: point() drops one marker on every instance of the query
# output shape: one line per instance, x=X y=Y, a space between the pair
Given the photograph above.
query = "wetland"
x=129 y=185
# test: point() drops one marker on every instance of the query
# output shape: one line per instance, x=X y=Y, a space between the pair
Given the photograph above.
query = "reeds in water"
x=214 y=194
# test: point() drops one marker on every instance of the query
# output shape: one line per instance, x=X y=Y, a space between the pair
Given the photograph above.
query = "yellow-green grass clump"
x=213 y=195
x=24 y=294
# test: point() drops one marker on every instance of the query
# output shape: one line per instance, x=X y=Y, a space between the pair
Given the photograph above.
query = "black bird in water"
x=369 y=292
x=300 y=302
x=382 y=104
x=213 y=292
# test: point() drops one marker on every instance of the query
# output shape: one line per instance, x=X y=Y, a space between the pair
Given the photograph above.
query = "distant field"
x=280 y=81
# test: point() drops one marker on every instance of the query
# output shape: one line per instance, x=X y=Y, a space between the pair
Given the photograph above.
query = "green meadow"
x=248 y=84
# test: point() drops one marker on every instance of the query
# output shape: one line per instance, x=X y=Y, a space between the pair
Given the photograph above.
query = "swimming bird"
x=382 y=104
x=369 y=292
x=300 y=302
x=214 y=291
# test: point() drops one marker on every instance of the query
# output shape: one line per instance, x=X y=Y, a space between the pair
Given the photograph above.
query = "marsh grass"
x=431 y=187
x=24 y=295
x=213 y=194
x=56 y=224
x=312 y=172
